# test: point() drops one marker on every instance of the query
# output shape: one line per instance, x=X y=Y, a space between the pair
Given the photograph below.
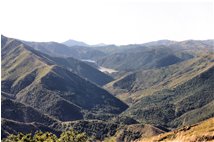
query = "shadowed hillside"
x=17 y=117
x=19 y=112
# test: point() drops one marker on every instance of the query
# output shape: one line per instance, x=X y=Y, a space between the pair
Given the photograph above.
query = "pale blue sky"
x=107 y=21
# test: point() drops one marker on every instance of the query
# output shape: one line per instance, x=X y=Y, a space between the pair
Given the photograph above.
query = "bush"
x=67 y=136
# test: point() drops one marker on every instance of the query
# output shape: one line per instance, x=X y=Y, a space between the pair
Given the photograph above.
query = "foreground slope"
x=33 y=79
x=203 y=131
x=133 y=132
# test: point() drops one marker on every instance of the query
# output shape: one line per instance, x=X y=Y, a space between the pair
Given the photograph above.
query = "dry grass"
x=131 y=132
x=200 y=132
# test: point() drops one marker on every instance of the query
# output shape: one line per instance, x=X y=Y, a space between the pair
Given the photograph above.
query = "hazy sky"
x=107 y=21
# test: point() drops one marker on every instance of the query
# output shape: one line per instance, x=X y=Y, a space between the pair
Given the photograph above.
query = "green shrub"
x=67 y=136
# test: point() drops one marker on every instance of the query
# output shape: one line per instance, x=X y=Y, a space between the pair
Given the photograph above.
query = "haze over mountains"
x=156 y=87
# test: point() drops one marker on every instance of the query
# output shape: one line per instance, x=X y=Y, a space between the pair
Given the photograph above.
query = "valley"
x=156 y=91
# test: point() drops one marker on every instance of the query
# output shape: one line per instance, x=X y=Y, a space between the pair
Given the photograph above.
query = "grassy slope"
x=10 y=62
x=203 y=131
x=22 y=70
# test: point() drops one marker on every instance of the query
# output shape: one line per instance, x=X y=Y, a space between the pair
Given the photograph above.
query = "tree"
x=73 y=136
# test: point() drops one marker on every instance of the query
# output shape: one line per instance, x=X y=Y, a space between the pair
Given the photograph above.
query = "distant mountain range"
x=60 y=50
x=153 y=55
x=71 y=42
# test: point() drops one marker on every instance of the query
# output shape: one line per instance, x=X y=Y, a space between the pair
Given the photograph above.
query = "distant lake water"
x=88 y=60
x=100 y=68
